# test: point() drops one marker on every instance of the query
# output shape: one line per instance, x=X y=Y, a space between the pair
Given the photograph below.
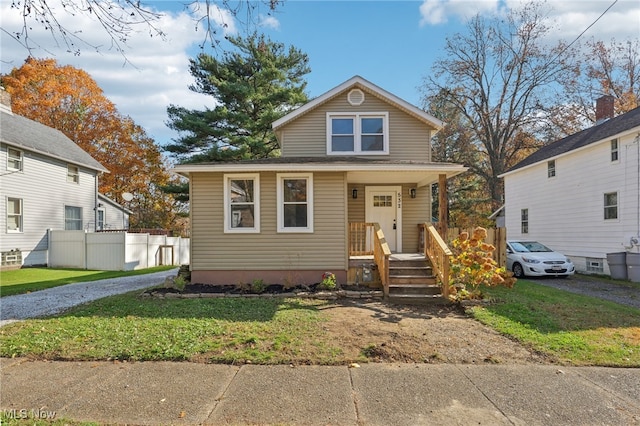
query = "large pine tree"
x=253 y=85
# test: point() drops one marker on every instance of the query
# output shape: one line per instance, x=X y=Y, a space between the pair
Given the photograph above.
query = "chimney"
x=604 y=108
x=5 y=100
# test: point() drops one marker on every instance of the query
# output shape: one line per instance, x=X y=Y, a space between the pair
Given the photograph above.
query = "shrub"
x=328 y=281
x=258 y=286
x=472 y=266
x=179 y=283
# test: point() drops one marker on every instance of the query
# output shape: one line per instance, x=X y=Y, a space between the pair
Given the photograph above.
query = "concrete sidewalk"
x=161 y=393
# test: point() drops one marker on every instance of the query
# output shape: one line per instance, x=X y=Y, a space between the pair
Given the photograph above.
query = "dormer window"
x=358 y=133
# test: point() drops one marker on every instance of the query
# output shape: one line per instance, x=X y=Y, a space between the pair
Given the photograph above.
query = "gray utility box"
x=633 y=267
x=617 y=265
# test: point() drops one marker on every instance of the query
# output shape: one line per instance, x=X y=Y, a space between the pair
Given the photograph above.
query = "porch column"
x=443 y=206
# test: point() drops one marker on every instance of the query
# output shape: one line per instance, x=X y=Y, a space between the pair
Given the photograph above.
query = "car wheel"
x=518 y=272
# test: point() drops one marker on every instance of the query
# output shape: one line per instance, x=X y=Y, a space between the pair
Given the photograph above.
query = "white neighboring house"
x=581 y=195
x=111 y=215
x=46 y=182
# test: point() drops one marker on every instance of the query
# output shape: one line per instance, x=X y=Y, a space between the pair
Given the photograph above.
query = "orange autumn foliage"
x=68 y=99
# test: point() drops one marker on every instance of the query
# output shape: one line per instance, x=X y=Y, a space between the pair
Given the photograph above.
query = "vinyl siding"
x=409 y=138
x=212 y=249
x=566 y=211
x=42 y=185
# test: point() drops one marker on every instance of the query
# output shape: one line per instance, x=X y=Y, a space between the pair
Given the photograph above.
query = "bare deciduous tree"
x=497 y=76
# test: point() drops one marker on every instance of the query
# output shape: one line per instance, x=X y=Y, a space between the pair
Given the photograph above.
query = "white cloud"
x=434 y=12
x=569 y=18
x=269 y=22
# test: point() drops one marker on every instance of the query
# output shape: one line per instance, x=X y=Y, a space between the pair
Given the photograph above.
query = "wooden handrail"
x=438 y=253
x=367 y=239
x=381 y=255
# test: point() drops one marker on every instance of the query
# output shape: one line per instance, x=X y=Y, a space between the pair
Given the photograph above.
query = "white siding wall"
x=566 y=212
x=44 y=190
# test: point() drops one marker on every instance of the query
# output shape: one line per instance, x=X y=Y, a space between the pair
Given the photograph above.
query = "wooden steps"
x=412 y=282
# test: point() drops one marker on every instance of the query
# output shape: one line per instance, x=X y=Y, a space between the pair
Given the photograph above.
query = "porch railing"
x=438 y=253
x=366 y=239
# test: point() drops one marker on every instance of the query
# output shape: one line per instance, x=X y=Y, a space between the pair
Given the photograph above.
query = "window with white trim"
x=551 y=168
x=101 y=219
x=242 y=203
x=14 y=159
x=72 y=218
x=611 y=205
x=614 y=150
x=358 y=133
x=524 y=221
x=73 y=174
x=295 y=202
x=14 y=215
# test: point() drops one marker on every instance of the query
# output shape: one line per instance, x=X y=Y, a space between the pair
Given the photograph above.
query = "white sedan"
x=530 y=258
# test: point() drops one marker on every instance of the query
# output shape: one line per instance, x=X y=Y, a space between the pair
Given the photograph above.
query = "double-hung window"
x=614 y=150
x=242 y=203
x=14 y=160
x=524 y=221
x=72 y=218
x=551 y=168
x=358 y=133
x=611 y=205
x=73 y=174
x=14 y=215
x=295 y=202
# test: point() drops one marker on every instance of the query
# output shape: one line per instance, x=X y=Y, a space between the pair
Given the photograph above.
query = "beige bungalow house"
x=352 y=186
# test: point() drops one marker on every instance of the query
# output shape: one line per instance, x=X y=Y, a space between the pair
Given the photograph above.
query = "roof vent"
x=355 y=97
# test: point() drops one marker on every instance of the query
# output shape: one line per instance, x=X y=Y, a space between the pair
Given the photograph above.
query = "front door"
x=383 y=206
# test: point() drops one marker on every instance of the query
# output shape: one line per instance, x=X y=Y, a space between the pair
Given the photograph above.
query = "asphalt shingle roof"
x=585 y=137
x=30 y=135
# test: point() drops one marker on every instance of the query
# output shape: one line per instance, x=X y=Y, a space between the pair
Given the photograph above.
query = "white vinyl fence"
x=115 y=251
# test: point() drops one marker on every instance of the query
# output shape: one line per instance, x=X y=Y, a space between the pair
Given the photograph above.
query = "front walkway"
x=57 y=299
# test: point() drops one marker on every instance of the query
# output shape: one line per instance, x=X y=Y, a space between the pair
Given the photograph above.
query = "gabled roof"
x=30 y=135
x=112 y=203
x=604 y=131
x=368 y=87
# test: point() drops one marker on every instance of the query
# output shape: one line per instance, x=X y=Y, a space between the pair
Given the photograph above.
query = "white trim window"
x=14 y=215
x=72 y=218
x=611 y=206
x=524 y=221
x=551 y=168
x=615 y=155
x=358 y=133
x=15 y=159
x=101 y=214
x=242 y=203
x=73 y=174
x=295 y=202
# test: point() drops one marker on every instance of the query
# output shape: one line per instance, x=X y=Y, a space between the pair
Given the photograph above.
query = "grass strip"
x=571 y=328
x=228 y=330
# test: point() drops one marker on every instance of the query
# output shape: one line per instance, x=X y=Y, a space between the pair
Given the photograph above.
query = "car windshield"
x=529 y=247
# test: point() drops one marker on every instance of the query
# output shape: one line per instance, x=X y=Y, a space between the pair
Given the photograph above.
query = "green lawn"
x=19 y=281
x=569 y=328
x=574 y=329
x=228 y=330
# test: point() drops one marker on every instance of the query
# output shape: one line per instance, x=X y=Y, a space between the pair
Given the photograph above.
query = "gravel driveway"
x=57 y=299
x=624 y=294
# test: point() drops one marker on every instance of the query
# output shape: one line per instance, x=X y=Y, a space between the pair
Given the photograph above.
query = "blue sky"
x=391 y=43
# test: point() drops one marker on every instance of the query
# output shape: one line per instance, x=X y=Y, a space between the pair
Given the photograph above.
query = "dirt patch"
x=425 y=334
